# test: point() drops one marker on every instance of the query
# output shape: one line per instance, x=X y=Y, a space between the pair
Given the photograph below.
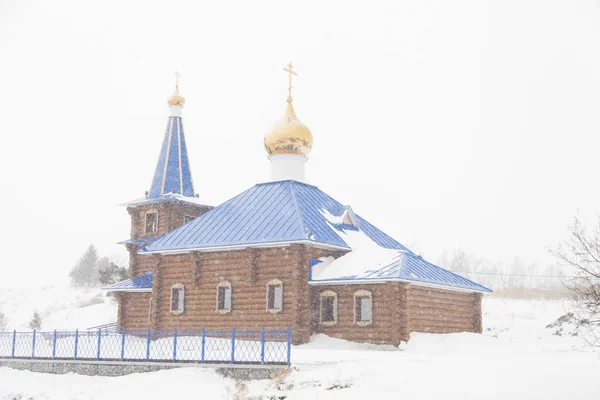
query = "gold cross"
x=177 y=76
x=290 y=71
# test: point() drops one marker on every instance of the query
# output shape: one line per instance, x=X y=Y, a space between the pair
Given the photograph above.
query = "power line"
x=521 y=275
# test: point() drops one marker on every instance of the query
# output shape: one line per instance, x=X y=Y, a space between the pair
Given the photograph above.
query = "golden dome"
x=176 y=99
x=289 y=135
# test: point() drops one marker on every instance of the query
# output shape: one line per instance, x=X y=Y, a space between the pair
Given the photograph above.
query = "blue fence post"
x=203 y=344
x=54 y=346
x=289 y=346
x=123 y=345
x=33 y=345
x=262 y=345
x=99 y=341
x=175 y=345
x=148 y=347
x=14 y=343
x=76 y=342
x=233 y=345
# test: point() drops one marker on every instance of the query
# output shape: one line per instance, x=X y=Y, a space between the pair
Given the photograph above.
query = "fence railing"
x=192 y=346
x=105 y=327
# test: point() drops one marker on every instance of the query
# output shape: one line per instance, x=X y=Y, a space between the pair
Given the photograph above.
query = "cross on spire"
x=177 y=76
x=290 y=71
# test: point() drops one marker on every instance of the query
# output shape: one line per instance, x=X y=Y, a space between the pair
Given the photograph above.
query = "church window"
x=177 y=298
x=151 y=221
x=187 y=218
x=274 y=296
x=224 y=297
x=363 y=307
x=329 y=303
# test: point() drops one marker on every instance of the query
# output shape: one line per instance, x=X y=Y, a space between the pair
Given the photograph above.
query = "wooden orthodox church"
x=280 y=254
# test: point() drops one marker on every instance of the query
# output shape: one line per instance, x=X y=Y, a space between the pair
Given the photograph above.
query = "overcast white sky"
x=448 y=124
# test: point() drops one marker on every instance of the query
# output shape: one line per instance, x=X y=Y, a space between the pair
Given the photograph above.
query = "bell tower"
x=171 y=200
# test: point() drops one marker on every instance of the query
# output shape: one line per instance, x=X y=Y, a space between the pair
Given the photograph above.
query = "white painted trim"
x=274 y=282
x=247 y=246
x=178 y=311
x=151 y=211
x=379 y=281
x=225 y=284
x=358 y=294
x=328 y=293
x=160 y=364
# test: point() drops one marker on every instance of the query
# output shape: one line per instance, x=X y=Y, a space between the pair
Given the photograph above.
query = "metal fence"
x=198 y=346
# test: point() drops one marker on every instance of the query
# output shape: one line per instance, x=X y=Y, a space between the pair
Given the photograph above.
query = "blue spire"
x=173 y=173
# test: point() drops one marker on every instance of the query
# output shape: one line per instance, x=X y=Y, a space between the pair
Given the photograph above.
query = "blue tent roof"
x=172 y=173
x=274 y=212
x=291 y=211
x=140 y=283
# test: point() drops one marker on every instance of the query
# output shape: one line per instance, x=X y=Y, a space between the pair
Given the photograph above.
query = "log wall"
x=248 y=271
x=170 y=217
x=398 y=308
x=386 y=313
x=442 y=311
x=134 y=309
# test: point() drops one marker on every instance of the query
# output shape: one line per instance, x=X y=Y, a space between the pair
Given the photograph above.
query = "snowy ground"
x=61 y=307
x=517 y=357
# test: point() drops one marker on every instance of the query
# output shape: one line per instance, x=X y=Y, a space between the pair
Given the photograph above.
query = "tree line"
x=92 y=270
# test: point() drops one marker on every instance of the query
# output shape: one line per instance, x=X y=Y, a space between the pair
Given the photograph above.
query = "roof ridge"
x=286 y=180
x=302 y=225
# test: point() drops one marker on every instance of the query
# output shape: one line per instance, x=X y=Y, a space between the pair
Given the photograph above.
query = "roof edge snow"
x=164 y=198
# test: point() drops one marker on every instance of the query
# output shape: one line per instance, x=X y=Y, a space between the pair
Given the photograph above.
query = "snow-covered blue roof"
x=290 y=211
x=406 y=266
x=142 y=240
x=273 y=212
x=139 y=283
x=173 y=173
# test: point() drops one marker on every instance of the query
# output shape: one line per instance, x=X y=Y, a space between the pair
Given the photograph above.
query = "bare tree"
x=581 y=251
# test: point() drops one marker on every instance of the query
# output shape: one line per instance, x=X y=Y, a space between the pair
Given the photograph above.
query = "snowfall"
x=517 y=357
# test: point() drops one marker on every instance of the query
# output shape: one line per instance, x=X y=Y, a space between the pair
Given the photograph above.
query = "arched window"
x=329 y=304
x=363 y=307
x=178 y=298
x=224 y=297
x=151 y=221
x=274 y=296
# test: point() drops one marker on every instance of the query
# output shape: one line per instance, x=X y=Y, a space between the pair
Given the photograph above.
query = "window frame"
x=274 y=283
x=360 y=294
x=220 y=285
x=322 y=295
x=181 y=299
x=155 y=212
